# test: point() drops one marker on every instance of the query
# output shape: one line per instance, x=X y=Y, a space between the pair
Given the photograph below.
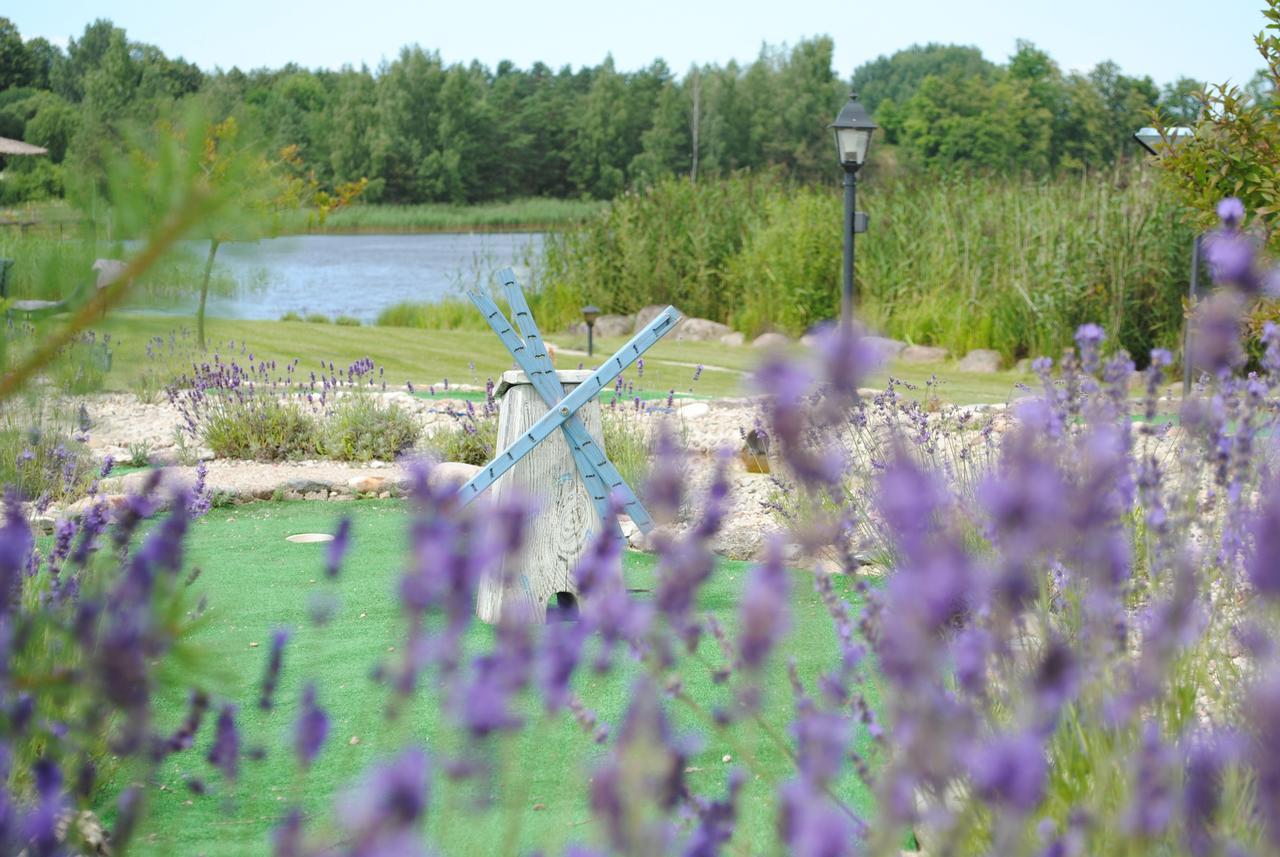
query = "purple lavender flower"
x=1010 y=770
x=1089 y=338
x=392 y=800
x=1263 y=564
x=764 y=612
x=312 y=728
x=1263 y=713
x=286 y=839
x=1154 y=798
x=225 y=752
x=338 y=547
x=1231 y=212
x=274 y=663
x=811 y=826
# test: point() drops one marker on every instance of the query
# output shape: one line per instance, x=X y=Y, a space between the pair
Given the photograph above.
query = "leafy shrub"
x=472 y=439
x=82 y=366
x=262 y=428
x=43 y=454
x=446 y=314
x=318 y=318
x=254 y=412
x=347 y=321
x=626 y=443
x=291 y=316
x=363 y=428
x=166 y=359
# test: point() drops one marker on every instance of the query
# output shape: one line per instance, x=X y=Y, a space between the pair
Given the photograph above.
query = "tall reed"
x=963 y=262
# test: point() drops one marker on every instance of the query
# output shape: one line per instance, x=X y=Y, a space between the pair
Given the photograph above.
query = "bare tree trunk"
x=214 y=243
x=695 y=121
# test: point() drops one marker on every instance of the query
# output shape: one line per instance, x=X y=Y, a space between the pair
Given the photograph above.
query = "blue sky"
x=1163 y=38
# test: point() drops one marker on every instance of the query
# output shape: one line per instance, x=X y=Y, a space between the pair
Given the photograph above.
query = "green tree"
x=17 y=67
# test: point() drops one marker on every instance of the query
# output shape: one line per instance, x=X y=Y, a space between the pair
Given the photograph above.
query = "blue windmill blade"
x=550 y=390
x=566 y=407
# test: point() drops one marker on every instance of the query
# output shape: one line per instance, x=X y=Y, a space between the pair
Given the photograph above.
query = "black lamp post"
x=1156 y=143
x=853 y=129
x=590 y=313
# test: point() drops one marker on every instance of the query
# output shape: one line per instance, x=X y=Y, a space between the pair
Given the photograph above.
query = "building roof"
x=17 y=147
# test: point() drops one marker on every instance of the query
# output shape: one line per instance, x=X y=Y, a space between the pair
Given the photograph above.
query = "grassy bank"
x=961 y=262
x=521 y=214
x=428 y=357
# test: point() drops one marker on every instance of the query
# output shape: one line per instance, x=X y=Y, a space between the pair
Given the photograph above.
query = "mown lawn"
x=256 y=582
x=427 y=357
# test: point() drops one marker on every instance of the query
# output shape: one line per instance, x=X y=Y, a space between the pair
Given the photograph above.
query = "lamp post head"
x=590 y=313
x=1155 y=142
x=853 y=129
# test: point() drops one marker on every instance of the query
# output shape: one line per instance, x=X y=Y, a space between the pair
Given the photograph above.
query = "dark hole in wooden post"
x=565 y=608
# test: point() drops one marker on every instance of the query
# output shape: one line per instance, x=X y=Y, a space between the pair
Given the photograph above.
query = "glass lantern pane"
x=853 y=143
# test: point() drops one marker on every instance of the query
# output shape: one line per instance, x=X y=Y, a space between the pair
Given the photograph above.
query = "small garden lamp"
x=590 y=313
x=853 y=129
x=1157 y=143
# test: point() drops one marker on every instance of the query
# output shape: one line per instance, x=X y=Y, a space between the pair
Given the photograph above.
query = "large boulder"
x=607 y=325
x=454 y=473
x=770 y=340
x=699 y=330
x=884 y=347
x=923 y=354
x=735 y=338
x=982 y=360
x=648 y=314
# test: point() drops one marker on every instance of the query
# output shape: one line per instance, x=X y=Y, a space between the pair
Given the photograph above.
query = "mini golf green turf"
x=256 y=582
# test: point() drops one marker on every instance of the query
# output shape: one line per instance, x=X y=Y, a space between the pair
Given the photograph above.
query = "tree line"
x=423 y=130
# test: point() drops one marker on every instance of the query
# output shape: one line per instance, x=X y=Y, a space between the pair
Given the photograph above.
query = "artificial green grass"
x=255 y=582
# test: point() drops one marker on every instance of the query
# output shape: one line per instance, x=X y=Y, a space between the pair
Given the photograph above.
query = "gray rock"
x=983 y=360
x=739 y=542
x=306 y=486
x=923 y=354
x=607 y=325
x=648 y=314
x=770 y=340
x=699 y=330
x=735 y=338
x=453 y=473
x=44 y=524
x=1023 y=366
x=886 y=348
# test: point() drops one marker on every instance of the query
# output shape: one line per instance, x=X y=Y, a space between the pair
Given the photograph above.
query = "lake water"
x=360 y=275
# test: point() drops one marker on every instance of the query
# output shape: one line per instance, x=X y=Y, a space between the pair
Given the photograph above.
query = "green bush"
x=318 y=318
x=472 y=439
x=626 y=444
x=291 y=316
x=40 y=453
x=364 y=428
x=82 y=366
x=262 y=428
x=347 y=321
x=447 y=314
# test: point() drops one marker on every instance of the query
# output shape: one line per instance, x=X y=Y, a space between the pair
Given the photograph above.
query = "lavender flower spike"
x=338 y=548
x=312 y=728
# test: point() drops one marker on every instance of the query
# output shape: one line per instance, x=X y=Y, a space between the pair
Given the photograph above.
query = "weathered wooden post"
x=548 y=428
x=565 y=519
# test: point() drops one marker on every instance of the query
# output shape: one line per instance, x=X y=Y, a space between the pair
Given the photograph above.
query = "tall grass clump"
x=446 y=314
x=670 y=243
x=962 y=261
